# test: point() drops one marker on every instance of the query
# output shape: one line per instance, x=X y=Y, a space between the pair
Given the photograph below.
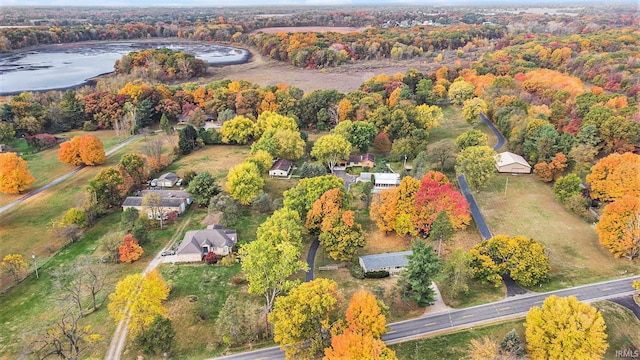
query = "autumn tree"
x=565 y=328
x=478 y=165
x=382 y=143
x=134 y=165
x=244 y=182
x=343 y=239
x=525 y=260
x=15 y=176
x=435 y=195
x=86 y=149
x=13 y=264
x=262 y=159
x=139 y=298
x=567 y=186
x=237 y=131
x=154 y=203
x=330 y=149
x=302 y=196
x=302 y=320
x=471 y=137
x=383 y=209
x=325 y=211
x=271 y=120
x=619 y=227
x=421 y=269
x=360 y=339
x=615 y=176
x=471 y=108
x=202 y=188
x=130 y=251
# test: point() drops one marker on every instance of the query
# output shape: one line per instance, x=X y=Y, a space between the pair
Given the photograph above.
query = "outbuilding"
x=508 y=162
x=281 y=168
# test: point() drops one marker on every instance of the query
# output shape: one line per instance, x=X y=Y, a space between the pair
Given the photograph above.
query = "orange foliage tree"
x=361 y=337
x=14 y=174
x=383 y=209
x=86 y=149
x=615 y=176
x=619 y=227
x=130 y=251
x=325 y=211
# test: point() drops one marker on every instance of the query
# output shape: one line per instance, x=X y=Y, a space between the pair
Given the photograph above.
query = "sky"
x=219 y=3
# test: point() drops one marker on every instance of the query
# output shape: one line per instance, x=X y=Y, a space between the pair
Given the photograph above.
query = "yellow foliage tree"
x=14 y=174
x=565 y=328
x=615 y=176
x=619 y=227
x=13 y=264
x=139 y=297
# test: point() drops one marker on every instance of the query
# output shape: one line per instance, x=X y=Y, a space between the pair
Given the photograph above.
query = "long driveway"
x=497 y=133
x=473 y=206
x=513 y=307
x=64 y=177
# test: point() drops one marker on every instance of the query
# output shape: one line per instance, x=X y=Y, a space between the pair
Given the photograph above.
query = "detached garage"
x=508 y=162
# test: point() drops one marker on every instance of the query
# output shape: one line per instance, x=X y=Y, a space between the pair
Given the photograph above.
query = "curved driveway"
x=497 y=133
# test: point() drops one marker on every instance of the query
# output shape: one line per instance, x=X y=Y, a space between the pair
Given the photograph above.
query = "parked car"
x=179 y=182
x=167 y=252
x=154 y=182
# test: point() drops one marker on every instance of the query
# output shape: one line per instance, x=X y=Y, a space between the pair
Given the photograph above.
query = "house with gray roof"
x=171 y=201
x=391 y=262
x=198 y=243
x=167 y=180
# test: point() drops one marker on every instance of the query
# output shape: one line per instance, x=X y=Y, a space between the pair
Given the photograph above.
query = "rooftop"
x=386 y=260
x=507 y=157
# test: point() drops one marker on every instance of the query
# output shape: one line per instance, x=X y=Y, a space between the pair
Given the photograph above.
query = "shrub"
x=357 y=272
x=89 y=126
x=262 y=203
x=211 y=258
x=238 y=280
x=228 y=260
x=376 y=274
x=579 y=205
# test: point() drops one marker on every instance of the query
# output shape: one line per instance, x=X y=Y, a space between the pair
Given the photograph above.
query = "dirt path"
x=119 y=339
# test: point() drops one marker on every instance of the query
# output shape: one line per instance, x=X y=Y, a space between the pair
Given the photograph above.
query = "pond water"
x=68 y=65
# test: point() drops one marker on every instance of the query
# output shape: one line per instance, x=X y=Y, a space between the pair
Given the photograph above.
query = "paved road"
x=348 y=179
x=63 y=177
x=498 y=134
x=629 y=303
x=457 y=319
x=311 y=258
x=473 y=206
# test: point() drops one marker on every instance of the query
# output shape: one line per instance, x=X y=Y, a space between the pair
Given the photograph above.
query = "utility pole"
x=35 y=265
x=505 y=186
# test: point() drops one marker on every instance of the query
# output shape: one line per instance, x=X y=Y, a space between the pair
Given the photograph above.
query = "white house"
x=381 y=180
x=508 y=162
x=391 y=262
x=196 y=244
x=167 y=180
x=281 y=168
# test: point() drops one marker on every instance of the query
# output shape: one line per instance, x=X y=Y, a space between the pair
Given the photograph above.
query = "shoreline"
x=247 y=57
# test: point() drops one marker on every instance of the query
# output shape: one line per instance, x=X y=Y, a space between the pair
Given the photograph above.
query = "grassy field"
x=623 y=330
x=529 y=208
x=216 y=159
x=33 y=301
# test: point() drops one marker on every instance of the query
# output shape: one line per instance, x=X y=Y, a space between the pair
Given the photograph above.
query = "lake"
x=68 y=65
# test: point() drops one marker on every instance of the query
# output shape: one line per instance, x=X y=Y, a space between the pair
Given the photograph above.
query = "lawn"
x=217 y=159
x=529 y=208
x=623 y=330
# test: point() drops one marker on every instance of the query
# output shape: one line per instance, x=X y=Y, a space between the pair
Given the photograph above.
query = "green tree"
x=359 y=133
x=460 y=91
x=302 y=320
x=160 y=337
x=442 y=152
x=567 y=186
x=134 y=165
x=202 y=188
x=478 y=165
x=423 y=266
x=471 y=108
x=472 y=137
x=524 y=259
x=565 y=328
x=72 y=111
x=165 y=125
x=289 y=144
x=456 y=273
x=239 y=320
x=244 y=182
x=344 y=238
x=237 y=131
x=441 y=229
x=269 y=120
x=106 y=185
x=330 y=149
x=187 y=139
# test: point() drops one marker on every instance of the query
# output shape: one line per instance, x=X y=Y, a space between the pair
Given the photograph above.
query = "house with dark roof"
x=391 y=262
x=281 y=168
x=363 y=160
x=196 y=244
x=171 y=201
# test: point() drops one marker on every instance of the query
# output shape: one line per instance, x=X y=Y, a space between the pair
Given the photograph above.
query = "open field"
x=529 y=208
x=216 y=159
x=623 y=330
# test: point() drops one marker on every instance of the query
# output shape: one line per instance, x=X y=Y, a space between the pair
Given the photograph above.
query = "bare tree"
x=153 y=201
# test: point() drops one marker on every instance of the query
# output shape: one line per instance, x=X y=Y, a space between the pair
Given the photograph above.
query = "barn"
x=508 y=162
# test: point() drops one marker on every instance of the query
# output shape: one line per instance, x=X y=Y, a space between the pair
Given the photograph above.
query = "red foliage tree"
x=382 y=143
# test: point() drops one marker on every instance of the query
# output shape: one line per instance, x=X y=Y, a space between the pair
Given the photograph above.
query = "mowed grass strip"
x=529 y=208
